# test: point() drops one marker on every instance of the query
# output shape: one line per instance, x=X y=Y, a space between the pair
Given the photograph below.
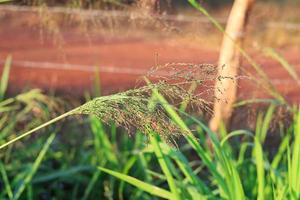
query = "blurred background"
x=61 y=45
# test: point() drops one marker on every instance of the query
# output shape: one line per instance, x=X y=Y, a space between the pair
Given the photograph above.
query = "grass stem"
x=71 y=112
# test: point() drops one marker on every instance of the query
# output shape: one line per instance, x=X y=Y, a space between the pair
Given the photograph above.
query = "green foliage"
x=34 y=168
x=107 y=163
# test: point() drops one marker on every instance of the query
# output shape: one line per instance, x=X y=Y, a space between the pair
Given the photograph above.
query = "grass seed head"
x=137 y=110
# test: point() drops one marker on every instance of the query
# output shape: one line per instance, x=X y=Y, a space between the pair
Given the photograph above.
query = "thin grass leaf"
x=91 y=185
x=184 y=166
x=61 y=174
x=259 y=125
x=140 y=184
x=164 y=164
x=295 y=159
x=34 y=167
x=242 y=152
x=255 y=101
x=126 y=169
x=5 y=77
x=259 y=168
x=102 y=142
x=38 y=128
x=185 y=102
x=281 y=151
x=266 y=123
x=284 y=63
x=5 y=181
x=29 y=192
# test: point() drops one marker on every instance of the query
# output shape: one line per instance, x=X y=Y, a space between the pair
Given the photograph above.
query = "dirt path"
x=67 y=64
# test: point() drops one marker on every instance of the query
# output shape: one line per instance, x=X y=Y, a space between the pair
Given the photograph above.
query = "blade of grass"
x=39 y=127
x=164 y=166
x=284 y=63
x=91 y=185
x=266 y=123
x=5 y=77
x=255 y=101
x=140 y=184
x=295 y=159
x=61 y=174
x=102 y=142
x=34 y=167
x=258 y=152
x=4 y=1
x=126 y=169
x=281 y=151
x=5 y=181
x=191 y=90
x=184 y=166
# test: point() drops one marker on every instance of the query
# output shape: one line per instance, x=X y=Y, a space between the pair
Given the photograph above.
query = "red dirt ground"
x=69 y=67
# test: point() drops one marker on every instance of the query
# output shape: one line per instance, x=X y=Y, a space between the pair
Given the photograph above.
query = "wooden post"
x=229 y=62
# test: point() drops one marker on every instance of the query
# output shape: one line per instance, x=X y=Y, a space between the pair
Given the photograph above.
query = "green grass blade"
x=295 y=159
x=266 y=123
x=102 y=142
x=258 y=152
x=126 y=169
x=140 y=184
x=38 y=128
x=281 y=151
x=254 y=101
x=34 y=167
x=164 y=166
x=67 y=173
x=259 y=124
x=5 y=181
x=242 y=152
x=184 y=166
x=4 y=1
x=185 y=102
x=5 y=77
x=284 y=63
x=235 y=133
x=91 y=185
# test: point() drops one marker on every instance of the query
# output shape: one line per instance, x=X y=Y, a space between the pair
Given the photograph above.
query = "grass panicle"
x=136 y=109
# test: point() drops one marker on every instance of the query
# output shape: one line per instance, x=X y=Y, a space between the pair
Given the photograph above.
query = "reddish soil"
x=68 y=66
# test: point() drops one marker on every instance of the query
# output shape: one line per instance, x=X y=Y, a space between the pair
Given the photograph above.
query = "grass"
x=108 y=163
x=94 y=158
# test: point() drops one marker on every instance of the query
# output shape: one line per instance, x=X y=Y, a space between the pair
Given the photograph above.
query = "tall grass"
x=232 y=171
x=77 y=165
x=238 y=185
